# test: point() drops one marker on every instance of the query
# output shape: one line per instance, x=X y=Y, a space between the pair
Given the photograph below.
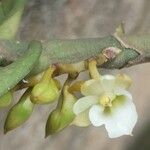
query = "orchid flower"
x=107 y=102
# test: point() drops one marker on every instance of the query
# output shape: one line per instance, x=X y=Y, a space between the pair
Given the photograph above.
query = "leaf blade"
x=10 y=15
x=15 y=72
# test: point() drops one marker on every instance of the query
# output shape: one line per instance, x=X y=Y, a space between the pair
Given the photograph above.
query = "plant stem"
x=133 y=50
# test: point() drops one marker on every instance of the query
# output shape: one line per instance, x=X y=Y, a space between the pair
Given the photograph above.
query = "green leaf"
x=15 y=72
x=6 y=99
x=10 y=15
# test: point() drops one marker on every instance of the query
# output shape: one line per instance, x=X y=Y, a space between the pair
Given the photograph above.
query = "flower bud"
x=46 y=91
x=19 y=113
x=5 y=100
x=63 y=115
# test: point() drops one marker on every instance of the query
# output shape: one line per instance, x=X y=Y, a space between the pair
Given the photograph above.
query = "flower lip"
x=121 y=122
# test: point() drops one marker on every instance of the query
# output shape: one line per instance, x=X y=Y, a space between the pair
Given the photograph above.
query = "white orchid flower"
x=107 y=102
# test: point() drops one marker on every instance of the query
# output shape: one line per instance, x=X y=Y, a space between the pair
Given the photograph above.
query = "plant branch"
x=120 y=52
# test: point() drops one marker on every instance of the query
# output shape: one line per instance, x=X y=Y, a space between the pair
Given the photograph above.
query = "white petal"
x=84 y=103
x=96 y=115
x=108 y=82
x=122 y=121
x=120 y=91
x=92 y=87
x=82 y=119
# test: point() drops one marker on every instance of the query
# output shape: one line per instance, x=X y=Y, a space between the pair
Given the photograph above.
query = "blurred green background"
x=46 y=19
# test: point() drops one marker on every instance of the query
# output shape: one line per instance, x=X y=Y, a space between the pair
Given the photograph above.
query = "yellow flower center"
x=105 y=101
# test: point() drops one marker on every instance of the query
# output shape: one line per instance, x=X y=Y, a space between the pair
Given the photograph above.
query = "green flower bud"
x=5 y=100
x=46 y=90
x=63 y=115
x=19 y=113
